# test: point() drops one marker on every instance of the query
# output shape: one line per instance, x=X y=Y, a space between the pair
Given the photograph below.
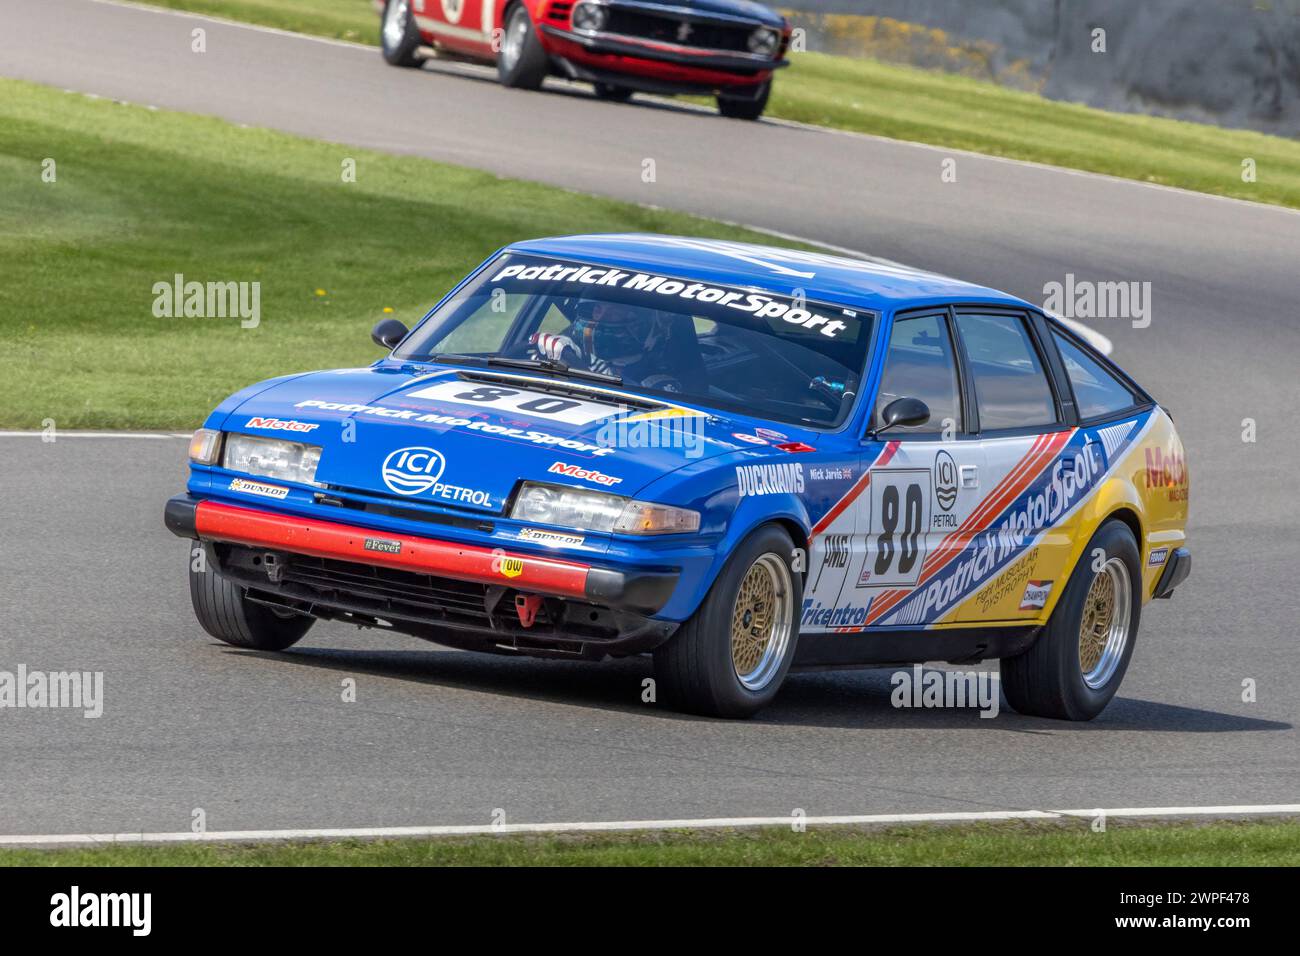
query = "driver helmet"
x=616 y=332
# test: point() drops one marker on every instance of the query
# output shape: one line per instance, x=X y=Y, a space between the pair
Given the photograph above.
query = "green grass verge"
x=953 y=111
x=142 y=195
x=1071 y=843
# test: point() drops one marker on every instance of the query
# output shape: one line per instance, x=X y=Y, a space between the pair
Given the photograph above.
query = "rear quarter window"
x=1097 y=393
x=1011 y=387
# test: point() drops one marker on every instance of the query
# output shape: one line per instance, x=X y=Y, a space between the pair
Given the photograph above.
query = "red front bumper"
x=642 y=591
x=655 y=67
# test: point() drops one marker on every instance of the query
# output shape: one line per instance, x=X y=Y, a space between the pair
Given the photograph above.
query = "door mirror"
x=387 y=333
x=903 y=411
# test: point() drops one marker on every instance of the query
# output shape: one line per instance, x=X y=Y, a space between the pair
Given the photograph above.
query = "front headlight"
x=589 y=16
x=597 y=511
x=272 y=458
x=763 y=41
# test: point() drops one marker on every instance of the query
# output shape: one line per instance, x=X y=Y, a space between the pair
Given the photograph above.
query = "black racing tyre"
x=746 y=108
x=731 y=658
x=225 y=612
x=398 y=35
x=1075 y=666
x=617 y=94
x=523 y=62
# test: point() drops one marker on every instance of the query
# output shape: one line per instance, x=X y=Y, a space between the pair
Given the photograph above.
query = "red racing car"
x=728 y=49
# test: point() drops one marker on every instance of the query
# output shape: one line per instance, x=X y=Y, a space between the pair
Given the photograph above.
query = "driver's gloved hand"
x=557 y=348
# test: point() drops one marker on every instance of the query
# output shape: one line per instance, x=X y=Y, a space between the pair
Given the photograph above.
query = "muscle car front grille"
x=688 y=33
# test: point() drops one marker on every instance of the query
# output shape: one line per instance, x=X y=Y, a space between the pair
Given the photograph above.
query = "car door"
x=923 y=480
x=1036 y=468
x=460 y=24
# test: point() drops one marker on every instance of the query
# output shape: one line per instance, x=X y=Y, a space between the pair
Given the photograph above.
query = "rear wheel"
x=398 y=35
x=1076 y=664
x=731 y=658
x=523 y=62
x=224 y=610
x=745 y=107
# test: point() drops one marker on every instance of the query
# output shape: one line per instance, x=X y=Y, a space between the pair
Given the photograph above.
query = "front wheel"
x=1075 y=666
x=731 y=658
x=224 y=610
x=523 y=62
x=399 y=37
x=745 y=107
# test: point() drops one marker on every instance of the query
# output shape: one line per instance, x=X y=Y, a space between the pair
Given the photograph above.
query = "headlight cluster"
x=764 y=41
x=264 y=457
x=590 y=17
x=598 y=511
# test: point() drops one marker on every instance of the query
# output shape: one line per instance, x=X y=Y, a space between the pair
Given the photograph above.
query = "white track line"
x=243 y=25
x=58 y=436
x=713 y=823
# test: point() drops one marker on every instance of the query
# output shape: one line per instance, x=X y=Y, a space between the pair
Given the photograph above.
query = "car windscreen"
x=784 y=358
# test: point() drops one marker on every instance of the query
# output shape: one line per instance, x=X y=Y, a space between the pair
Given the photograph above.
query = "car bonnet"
x=465 y=437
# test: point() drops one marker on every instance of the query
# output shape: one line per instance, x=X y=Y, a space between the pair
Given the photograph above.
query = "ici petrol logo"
x=411 y=471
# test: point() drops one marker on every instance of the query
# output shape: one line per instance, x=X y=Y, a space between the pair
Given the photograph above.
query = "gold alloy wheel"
x=1104 y=624
x=761 y=622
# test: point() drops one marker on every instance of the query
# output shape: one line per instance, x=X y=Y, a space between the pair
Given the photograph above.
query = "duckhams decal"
x=775 y=479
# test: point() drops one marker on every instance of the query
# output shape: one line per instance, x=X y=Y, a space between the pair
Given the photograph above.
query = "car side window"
x=1096 y=391
x=1011 y=388
x=921 y=364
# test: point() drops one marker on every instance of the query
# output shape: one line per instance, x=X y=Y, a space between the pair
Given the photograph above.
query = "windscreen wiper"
x=539 y=365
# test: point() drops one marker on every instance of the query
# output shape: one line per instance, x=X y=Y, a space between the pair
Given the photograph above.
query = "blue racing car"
x=738 y=459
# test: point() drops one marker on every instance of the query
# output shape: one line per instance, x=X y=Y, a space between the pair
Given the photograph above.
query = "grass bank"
x=101 y=201
x=1069 y=843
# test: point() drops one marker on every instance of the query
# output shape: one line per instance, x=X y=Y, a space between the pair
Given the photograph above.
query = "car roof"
x=856 y=282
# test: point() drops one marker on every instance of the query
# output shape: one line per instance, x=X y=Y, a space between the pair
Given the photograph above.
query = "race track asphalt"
x=93 y=581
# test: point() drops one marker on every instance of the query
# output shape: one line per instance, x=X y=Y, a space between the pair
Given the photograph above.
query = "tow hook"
x=527 y=606
x=274 y=570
